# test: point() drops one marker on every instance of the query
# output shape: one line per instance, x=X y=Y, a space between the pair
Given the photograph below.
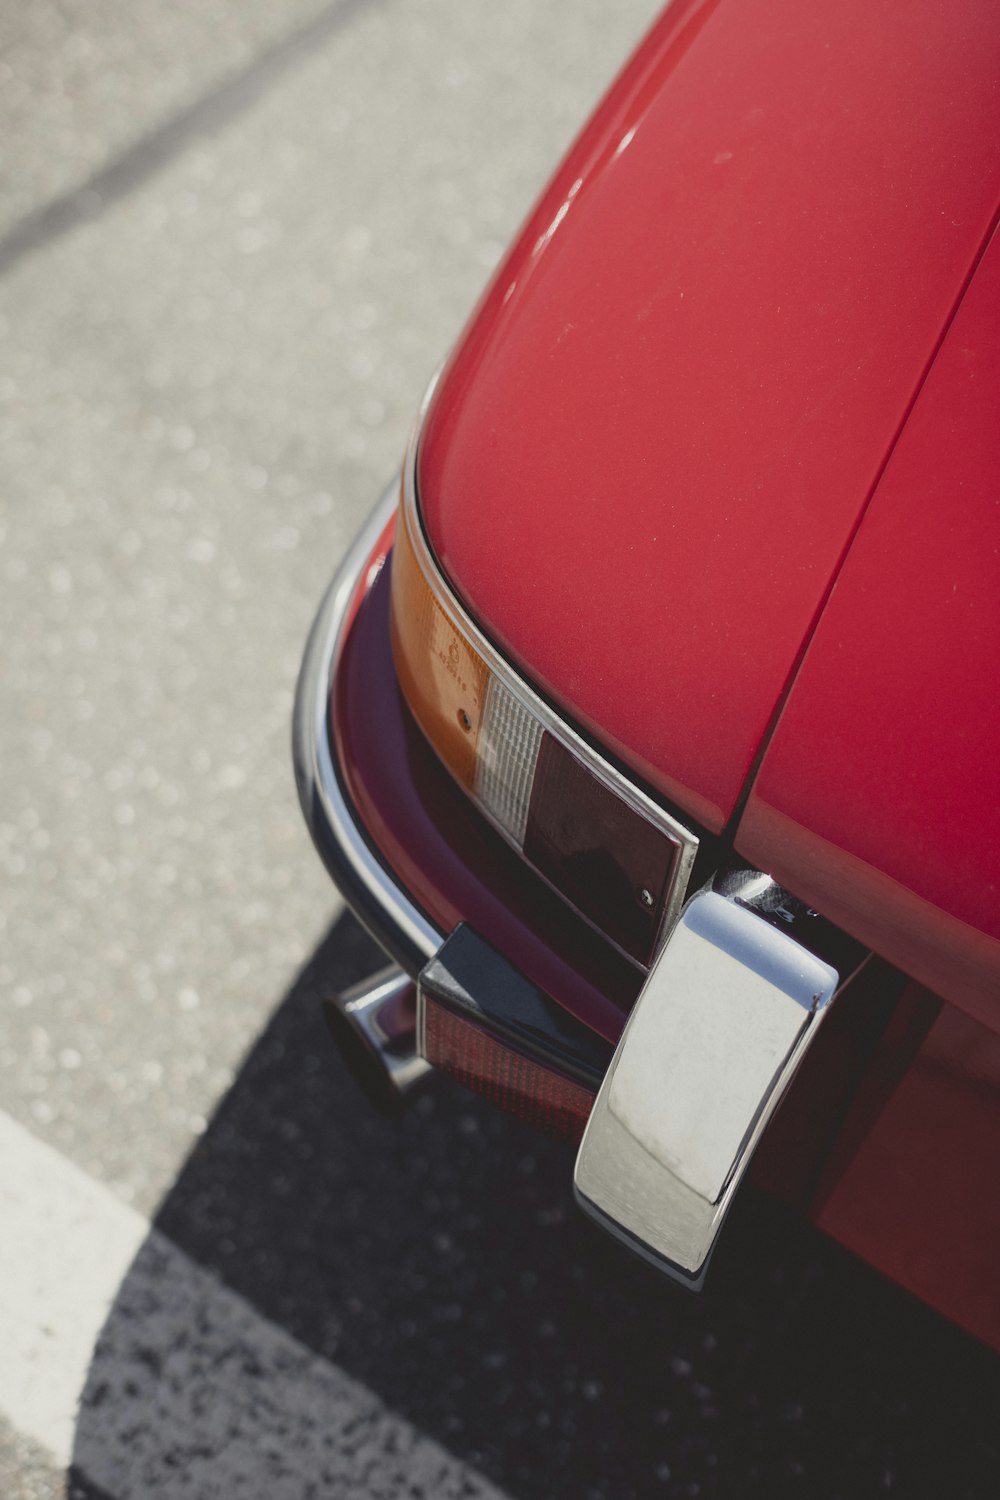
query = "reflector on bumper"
x=482 y=1021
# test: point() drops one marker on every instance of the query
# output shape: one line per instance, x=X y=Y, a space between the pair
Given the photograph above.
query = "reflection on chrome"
x=713 y=1042
x=560 y=214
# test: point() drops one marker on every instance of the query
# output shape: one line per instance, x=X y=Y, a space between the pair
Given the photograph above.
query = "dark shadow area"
x=438 y=1260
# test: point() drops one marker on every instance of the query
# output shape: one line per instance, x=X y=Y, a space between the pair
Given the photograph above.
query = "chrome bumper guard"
x=722 y=1024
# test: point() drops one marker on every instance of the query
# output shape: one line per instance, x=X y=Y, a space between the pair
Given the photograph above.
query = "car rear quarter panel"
x=878 y=799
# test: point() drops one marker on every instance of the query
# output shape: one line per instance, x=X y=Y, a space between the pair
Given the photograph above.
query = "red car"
x=653 y=719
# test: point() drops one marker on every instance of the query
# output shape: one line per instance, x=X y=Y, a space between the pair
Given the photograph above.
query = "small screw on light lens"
x=646 y=898
x=464 y=720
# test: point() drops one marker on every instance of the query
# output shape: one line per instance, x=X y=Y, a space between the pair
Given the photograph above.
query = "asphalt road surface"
x=235 y=241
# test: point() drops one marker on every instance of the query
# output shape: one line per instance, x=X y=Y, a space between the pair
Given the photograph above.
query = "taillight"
x=621 y=860
x=615 y=865
x=482 y=1020
x=442 y=678
x=515 y=1083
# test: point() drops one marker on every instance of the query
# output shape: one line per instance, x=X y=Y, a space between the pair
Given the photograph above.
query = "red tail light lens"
x=613 y=864
x=538 y=1095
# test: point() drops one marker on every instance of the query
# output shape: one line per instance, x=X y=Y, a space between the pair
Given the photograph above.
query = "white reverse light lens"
x=509 y=737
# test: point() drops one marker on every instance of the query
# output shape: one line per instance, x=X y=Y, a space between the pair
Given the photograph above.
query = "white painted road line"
x=187 y=1391
x=65 y=1247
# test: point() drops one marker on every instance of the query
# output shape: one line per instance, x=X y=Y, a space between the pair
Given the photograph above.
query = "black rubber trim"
x=472 y=980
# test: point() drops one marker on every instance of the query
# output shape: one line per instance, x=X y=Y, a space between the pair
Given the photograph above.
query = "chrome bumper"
x=378 y=900
x=364 y=1019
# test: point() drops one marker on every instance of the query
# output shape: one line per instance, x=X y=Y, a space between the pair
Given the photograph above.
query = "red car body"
x=714 y=467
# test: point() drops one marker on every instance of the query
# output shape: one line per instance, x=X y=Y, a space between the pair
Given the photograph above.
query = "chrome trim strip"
x=530 y=700
x=388 y=911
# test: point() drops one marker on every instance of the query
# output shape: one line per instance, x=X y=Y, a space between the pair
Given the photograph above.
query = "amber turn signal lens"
x=442 y=679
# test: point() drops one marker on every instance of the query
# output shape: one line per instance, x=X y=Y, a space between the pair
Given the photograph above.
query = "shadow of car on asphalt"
x=437 y=1259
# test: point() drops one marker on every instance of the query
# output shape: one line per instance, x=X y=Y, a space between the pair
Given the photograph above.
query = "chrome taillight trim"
x=549 y=718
